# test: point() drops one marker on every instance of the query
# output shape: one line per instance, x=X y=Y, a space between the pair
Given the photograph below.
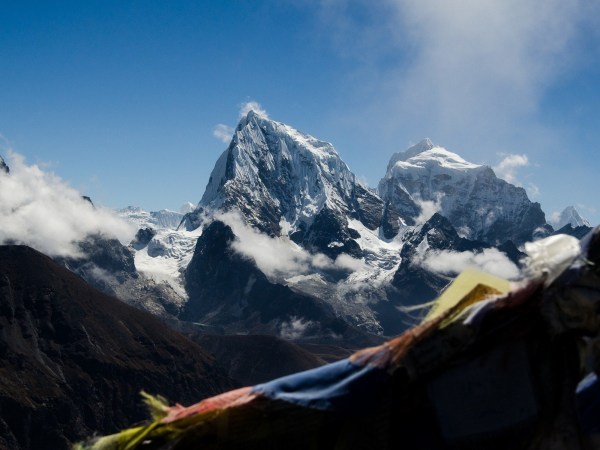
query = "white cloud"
x=554 y=218
x=252 y=105
x=507 y=168
x=223 y=132
x=39 y=209
x=486 y=60
x=469 y=71
x=491 y=261
x=279 y=257
x=428 y=208
x=295 y=328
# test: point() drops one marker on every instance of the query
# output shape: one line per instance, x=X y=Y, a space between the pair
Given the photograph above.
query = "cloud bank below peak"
x=39 y=209
x=280 y=258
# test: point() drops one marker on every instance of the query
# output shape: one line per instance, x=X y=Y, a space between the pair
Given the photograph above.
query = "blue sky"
x=121 y=99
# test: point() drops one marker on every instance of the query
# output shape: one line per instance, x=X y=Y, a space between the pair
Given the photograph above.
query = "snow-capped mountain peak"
x=271 y=171
x=423 y=146
x=427 y=154
x=569 y=216
x=477 y=203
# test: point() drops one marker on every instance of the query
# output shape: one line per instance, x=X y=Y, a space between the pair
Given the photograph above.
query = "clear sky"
x=124 y=99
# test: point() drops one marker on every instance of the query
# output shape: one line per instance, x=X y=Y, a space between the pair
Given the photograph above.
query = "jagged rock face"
x=273 y=173
x=142 y=238
x=228 y=293
x=73 y=360
x=399 y=208
x=107 y=255
x=3 y=166
x=328 y=235
x=477 y=203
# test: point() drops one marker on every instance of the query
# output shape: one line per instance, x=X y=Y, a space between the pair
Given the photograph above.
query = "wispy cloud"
x=295 y=328
x=554 y=218
x=507 y=168
x=463 y=70
x=252 y=105
x=223 y=132
x=39 y=209
x=533 y=191
x=428 y=208
x=483 y=63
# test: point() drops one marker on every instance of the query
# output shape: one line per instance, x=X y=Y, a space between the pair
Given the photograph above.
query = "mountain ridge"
x=307 y=209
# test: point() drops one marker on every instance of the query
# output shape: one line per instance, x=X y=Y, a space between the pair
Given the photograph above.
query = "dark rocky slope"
x=73 y=360
x=253 y=359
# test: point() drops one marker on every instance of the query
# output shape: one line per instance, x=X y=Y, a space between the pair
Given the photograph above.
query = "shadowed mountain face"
x=109 y=266
x=253 y=359
x=228 y=292
x=73 y=360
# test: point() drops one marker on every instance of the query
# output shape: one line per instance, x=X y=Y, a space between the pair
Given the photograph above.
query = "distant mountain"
x=477 y=203
x=570 y=216
x=74 y=360
x=285 y=234
x=155 y=219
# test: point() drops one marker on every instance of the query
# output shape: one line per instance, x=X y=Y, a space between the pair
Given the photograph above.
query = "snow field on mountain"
x=166 y=257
